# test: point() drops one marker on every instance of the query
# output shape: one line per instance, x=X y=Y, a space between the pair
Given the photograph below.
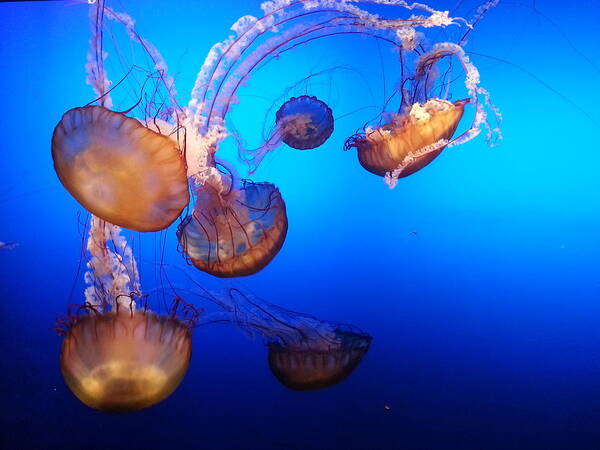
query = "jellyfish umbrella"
x=120 y=170
x=410 y=141
x=309 y=366
x=125 y=359
x=304 y=122
x=235 y=233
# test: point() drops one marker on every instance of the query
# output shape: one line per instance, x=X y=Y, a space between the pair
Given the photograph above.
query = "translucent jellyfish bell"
x=126 y=359
x=304 y=122
x=235 y=233
x=120 y=170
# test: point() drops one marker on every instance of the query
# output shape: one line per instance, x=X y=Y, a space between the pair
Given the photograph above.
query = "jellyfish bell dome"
x=304 y=122
x=411 y=140
x=120 y=170
x=236 y=233
x=303 y=367
x=125 y=360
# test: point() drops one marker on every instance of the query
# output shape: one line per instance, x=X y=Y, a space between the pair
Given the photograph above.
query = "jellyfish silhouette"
x=120 y=170
x=304 y=122
x=309 y=366
x=236 y=232
x=124 y=359
x=304 y=353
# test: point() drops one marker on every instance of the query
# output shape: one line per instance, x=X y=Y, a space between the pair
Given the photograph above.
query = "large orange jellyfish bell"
x=236 y=233
x=125 y=360
x=411 y=140
x=119 y=170
x=303 y=367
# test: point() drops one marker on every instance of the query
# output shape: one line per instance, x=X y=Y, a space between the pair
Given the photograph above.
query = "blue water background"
x=485 y=322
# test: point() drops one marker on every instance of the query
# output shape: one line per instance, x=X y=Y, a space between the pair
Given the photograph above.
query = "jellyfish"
x=304 y=353
x=126 y=167
x=303 y=123
x=426 y=120
x=233 y=231
x=410 y=141
x=307 y=366
x=117 y=355
x=120 y=170
x=126 y=358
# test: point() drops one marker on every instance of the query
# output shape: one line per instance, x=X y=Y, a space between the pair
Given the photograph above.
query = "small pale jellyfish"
x=304 y=122
x=304 y=353
x=235 y=232
x=120 y=170
x=126 y=358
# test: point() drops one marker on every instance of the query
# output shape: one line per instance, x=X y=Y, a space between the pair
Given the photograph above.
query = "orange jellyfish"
x=304 y=353
x=124 y=359
x=411 y=140
x=426 y=121
x=303 y=366
x=234 y=233
x=120 y=170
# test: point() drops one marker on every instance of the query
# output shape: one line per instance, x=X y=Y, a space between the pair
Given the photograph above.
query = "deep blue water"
x=484 y=322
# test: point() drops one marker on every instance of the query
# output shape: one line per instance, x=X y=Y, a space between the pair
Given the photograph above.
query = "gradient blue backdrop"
x=485 y=323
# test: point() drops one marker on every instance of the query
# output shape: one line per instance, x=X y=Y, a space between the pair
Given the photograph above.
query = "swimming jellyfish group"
x=156 y=163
